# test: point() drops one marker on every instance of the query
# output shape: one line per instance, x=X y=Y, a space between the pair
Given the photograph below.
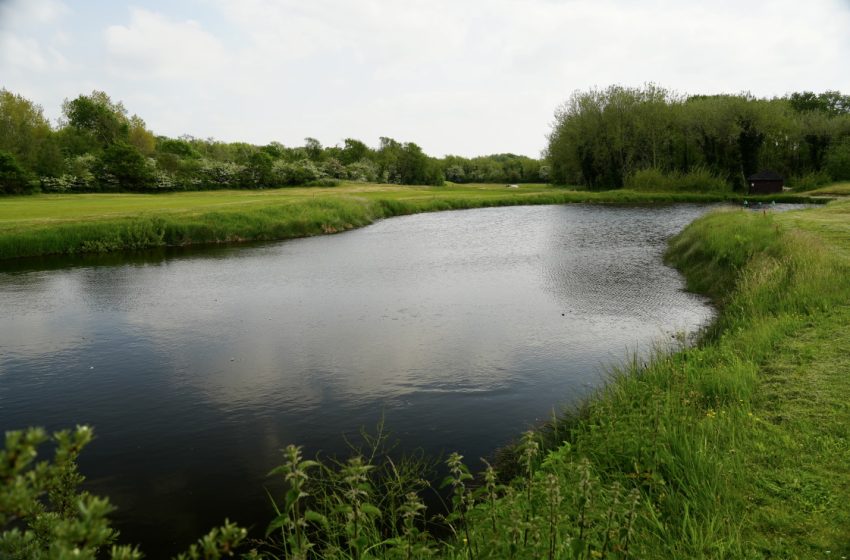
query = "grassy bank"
x=736 y=448
x=836 y=189
x=91 y=223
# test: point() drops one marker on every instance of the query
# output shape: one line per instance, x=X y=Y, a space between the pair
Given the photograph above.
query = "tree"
x=829 y=102
x=601 y=137
x=838 y=160
x=354 y=150
x=26 y=134
x=98 y=116
x=259 y=170
x=140 y=137
x=313 y=148
x=13 y=179
x=122 y=167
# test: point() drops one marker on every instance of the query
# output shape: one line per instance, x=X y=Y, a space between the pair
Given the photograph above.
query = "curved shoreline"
x=726 y=441
x=300 y=217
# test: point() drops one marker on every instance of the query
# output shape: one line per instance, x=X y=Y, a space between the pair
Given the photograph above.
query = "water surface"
x=461 y=328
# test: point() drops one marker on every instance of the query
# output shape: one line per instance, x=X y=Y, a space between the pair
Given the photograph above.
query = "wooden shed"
x=765 y=182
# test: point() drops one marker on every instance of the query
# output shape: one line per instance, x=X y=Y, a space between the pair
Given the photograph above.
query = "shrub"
x=219 y=175
x=296 y=172
x=698 y=179
x=122 y=166
x=43 y=515
x=809 y=182
x=362 y=170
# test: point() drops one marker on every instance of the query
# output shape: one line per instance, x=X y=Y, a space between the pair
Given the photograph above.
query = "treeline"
x=622 y=136
x=98 y=146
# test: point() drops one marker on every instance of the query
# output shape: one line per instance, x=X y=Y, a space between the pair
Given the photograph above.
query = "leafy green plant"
x=43 y=515
x=291 y=517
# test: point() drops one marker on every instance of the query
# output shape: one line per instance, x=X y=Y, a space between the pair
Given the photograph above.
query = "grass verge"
x=96 y=223
x=837 y=189
x=738 y=447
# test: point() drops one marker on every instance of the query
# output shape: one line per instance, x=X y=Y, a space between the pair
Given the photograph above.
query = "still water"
x=460 y=328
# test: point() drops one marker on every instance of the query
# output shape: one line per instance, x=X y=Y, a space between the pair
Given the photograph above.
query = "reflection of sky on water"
x=461 y=328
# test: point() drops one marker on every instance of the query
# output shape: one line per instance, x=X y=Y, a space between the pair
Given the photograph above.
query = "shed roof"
x=765 y=176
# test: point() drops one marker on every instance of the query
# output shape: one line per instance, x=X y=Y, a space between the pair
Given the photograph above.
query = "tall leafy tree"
x=122 y=167
x=98 y=116
x=26 y=135
x=13 y=179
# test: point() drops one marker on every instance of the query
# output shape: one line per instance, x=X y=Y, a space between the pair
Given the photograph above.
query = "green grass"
x=837 y=189
x=91 y=223
x=739 y=446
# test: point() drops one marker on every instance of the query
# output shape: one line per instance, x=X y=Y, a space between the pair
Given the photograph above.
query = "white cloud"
x=17 y=12
x=22 y=45
x=154 y=47
x=22 y=53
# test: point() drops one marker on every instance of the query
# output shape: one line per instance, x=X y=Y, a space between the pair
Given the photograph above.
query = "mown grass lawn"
x=837 y=189
x=107 y=222
x=23 y=211
x=799 y=460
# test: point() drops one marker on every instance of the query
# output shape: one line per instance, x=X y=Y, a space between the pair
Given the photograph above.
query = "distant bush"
x=837 y=161
x=13 y=179
x=296 y=172
x=810 y=181
x=699 y=179
x=213 y=174
x=362 y=170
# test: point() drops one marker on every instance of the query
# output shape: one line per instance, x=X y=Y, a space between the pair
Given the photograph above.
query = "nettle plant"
x=367 y=506
x=44 y=515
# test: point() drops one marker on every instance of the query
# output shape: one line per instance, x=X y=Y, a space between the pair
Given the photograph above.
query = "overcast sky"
x=467 y=77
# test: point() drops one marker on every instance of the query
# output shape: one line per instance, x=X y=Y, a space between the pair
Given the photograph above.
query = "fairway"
x=49 y=224
x=836 y=189
x=21 y=212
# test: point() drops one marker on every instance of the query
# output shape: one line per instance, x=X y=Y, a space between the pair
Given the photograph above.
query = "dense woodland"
x=98 y=146
x=619 y=136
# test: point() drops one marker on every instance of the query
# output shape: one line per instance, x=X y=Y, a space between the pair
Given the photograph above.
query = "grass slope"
x=739 y=447
x=837 y=189
x=92 y=223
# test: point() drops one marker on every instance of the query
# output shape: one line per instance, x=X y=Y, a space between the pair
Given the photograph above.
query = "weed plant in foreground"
x=734 y=448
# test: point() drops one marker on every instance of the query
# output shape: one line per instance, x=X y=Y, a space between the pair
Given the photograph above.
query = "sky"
x=464 y=77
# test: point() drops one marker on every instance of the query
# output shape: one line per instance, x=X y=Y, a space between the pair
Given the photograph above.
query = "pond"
x=461 y=329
